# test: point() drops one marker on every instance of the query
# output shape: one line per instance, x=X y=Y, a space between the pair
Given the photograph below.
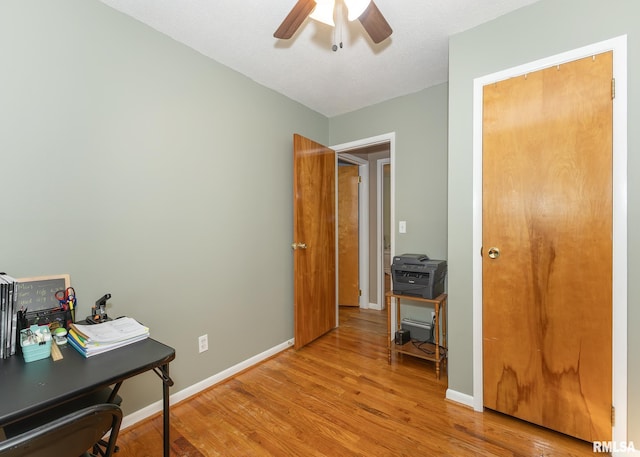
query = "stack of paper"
x=92 y=339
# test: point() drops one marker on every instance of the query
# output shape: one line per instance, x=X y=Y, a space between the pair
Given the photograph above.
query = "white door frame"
x=619 y=357
x=371 y=141
x=363 y=226
x=380 y=163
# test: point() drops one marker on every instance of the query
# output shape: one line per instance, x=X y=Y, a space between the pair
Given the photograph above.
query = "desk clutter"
x=35 y=342
x=92 y=339
x=38 y=314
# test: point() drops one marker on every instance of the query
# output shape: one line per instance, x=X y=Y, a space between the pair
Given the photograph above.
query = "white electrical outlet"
x=203 y=343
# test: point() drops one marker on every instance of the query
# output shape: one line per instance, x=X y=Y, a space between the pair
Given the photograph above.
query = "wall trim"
x=459 y=397
x=619 y=47
x=132 y=419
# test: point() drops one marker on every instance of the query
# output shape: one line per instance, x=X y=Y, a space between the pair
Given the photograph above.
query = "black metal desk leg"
x=166 y=415
x=167 y=382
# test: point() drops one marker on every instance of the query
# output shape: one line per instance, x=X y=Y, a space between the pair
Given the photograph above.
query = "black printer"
x=417 y=275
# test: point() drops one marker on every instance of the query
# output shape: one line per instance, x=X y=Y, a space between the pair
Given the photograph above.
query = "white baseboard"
x=459 y=397
x=375 y=306
x=148 y=411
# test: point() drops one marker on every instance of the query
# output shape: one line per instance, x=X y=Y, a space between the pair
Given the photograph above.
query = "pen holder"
x=35 y=342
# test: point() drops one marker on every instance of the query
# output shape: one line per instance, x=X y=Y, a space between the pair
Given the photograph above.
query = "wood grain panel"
x=547 y=204
x=348 y=236
x=314 y=224
x=339 y=397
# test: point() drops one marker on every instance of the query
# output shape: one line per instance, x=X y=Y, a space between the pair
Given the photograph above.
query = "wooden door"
x=547 y=206
x=348 y=236
x=314 y=255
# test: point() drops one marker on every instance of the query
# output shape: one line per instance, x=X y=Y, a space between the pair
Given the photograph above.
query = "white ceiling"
x=239 y=34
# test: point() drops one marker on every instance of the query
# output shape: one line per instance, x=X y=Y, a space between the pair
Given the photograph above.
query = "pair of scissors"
x=66 y=297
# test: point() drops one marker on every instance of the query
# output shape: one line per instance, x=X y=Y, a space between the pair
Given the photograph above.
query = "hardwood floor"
x=339 y=397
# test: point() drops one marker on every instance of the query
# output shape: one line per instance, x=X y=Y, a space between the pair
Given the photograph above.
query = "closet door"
x=547 y=247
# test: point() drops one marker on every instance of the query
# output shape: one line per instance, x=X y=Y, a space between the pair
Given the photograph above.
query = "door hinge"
x=613 y=416
x=359 y=293
x=613 y=88
x=359 y=179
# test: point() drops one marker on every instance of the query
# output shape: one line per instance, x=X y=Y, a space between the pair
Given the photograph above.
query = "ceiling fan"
x=364 y=10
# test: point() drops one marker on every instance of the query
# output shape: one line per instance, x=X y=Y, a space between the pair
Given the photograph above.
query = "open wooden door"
x=348 y=236
x=547 y=242
x=314 y=235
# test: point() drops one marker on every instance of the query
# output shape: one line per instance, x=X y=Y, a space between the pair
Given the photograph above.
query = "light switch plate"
x=402 y=226
x=203 y=343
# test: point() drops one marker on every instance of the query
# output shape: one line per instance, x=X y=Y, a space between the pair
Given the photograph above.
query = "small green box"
x=35 y=342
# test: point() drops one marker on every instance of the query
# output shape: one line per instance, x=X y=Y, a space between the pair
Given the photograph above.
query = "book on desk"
x=8 y=320
x=93 y=339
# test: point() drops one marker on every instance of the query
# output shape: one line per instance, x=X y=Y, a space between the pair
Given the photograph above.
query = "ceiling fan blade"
x=294 y=19
x=375 y=24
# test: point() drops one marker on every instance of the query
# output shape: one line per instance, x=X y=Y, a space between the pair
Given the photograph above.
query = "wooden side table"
x=436 y=352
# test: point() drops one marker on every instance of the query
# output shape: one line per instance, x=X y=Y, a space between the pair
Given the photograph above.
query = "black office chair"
x=68 y=436
x=104 y=395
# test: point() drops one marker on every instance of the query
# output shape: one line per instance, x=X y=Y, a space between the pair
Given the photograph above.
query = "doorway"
x=384 y=226
x=366 y=153
x=349 y=225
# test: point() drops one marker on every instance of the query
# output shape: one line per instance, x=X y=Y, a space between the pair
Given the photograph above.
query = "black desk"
x=30 y=388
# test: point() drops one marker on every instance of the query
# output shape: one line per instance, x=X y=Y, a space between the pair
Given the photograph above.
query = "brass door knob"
x=295 y=246
x=494 y=253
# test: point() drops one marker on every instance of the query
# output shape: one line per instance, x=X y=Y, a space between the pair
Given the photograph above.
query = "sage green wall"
x=540 y=30
x=419 y=121
x=149 y=171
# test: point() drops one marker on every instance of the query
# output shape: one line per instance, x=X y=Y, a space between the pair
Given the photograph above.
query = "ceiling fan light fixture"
x=323 y=12
x=355 y=8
